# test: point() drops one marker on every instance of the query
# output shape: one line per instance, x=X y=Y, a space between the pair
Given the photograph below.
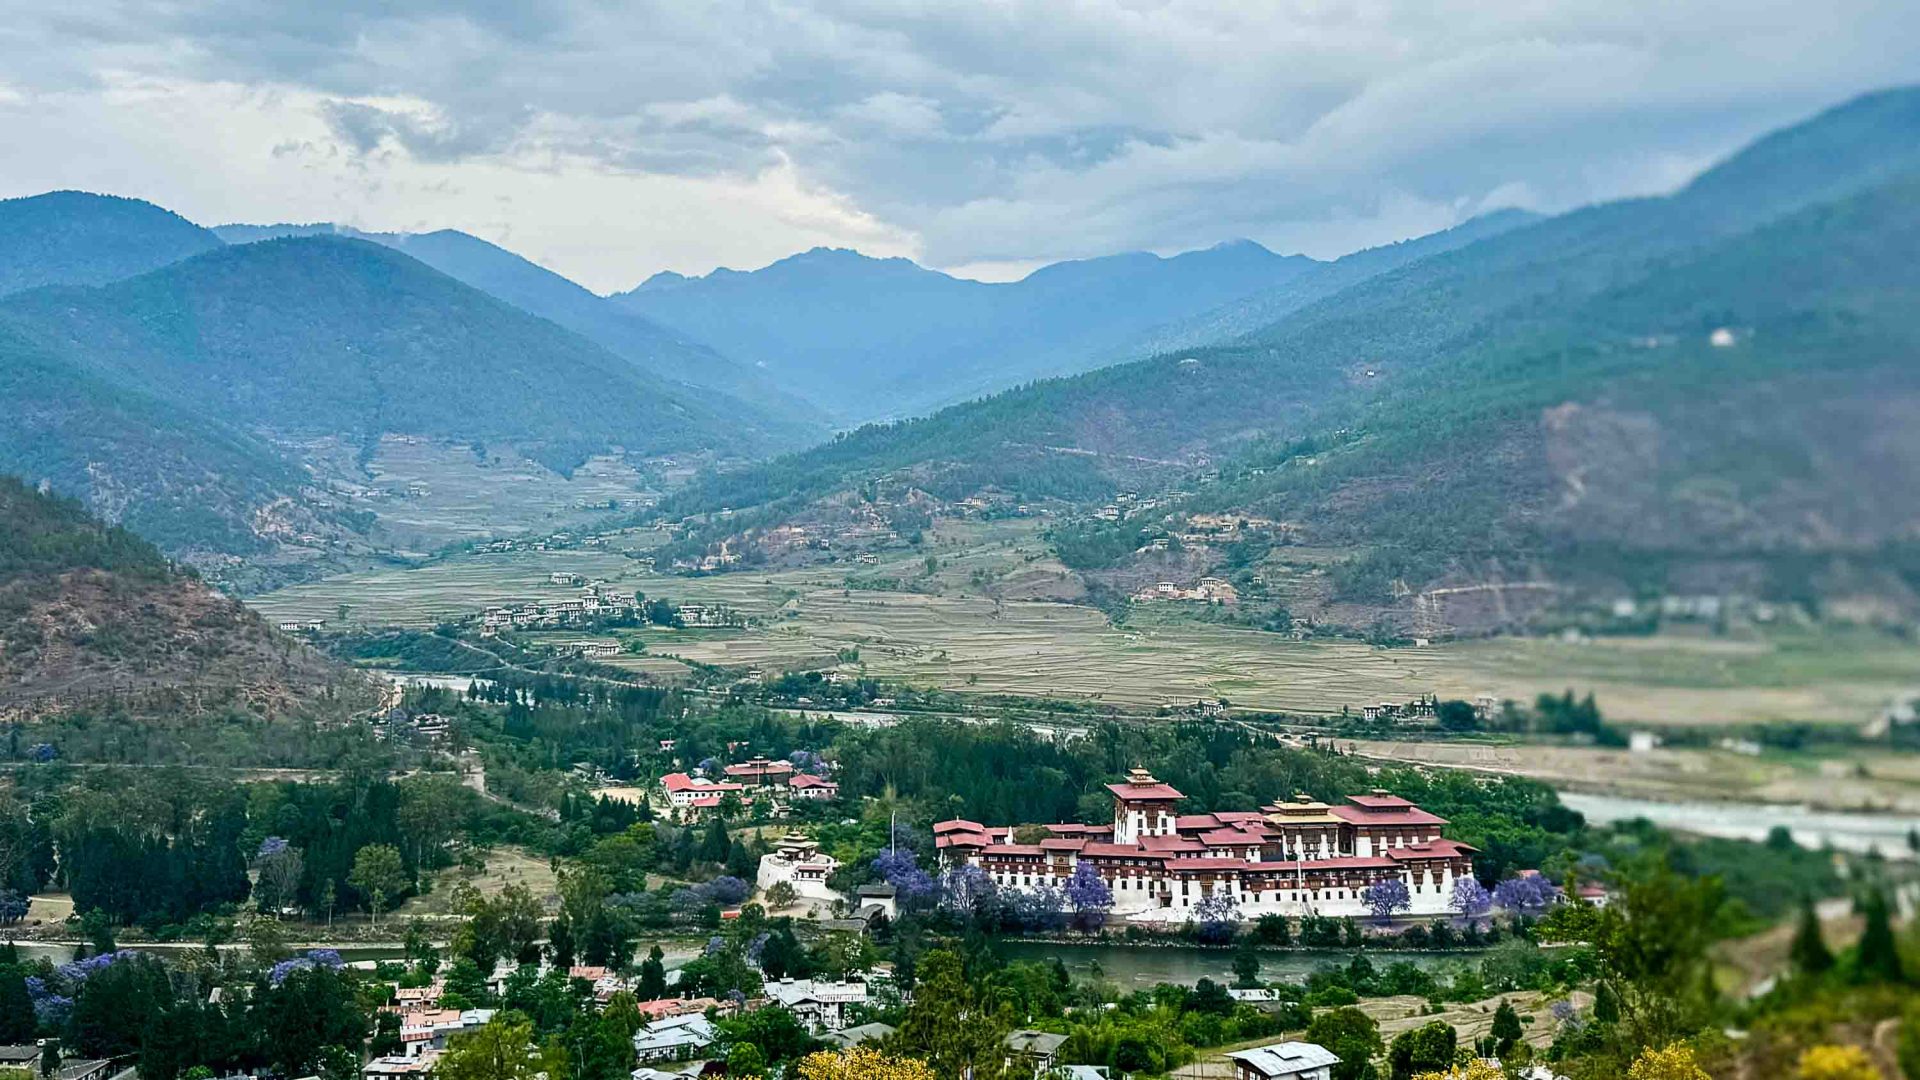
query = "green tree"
x=745 y=1059
x=1652 y=941
x=1877 y=958
x=653 y=976
x=1246 y=964
x=954 y=1031
x=501 y=1049
x=1353 y=1036
x=379 y=875
x=714 y=844
x=1506 y=1030
x=311 y=1010
x=16 y=1007
x=1809 y=951
x=1428 y=1048
x=1274 y=930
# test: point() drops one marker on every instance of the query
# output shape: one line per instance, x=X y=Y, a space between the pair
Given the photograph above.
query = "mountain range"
x=1651 y=394
x=865 y=339
x=1667 y=392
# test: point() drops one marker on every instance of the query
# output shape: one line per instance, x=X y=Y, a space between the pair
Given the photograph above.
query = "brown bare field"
x=504 y=866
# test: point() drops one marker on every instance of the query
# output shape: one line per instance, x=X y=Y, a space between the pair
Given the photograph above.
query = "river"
x=1138 y=966
x=1843 y=830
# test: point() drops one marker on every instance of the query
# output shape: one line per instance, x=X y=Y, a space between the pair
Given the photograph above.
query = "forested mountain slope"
x=177 y=476
x=869 y=338
x=1259 y=310
x=326 y=336
x=76 y=238
x=1549 y=386
x=658 y=351
x=91 y=615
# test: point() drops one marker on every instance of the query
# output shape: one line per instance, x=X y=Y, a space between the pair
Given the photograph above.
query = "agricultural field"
x=970 y=622
x=430 y=493
x=1875 y=779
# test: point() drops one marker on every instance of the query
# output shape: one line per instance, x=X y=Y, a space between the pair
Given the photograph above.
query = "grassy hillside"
x=1544 y=390
x=75 y=238
x=324 y=336
x=93 y=616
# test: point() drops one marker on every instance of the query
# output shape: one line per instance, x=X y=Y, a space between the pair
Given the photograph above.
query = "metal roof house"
x=1284 y=1061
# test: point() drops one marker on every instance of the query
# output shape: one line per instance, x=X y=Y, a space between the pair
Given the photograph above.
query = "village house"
x=707 y=616
x=759 y=772
x=818 y=1005
x=1284 y=1061
x=590 y=648
x=1299 y=857
x=815 y=788
x=1034 y=1052
x=693 y=795
x=400 y=1066
x=675 y=1038
x=1208 y=590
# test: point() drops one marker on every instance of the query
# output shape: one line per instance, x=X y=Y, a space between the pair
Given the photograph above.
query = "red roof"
x=958 y=825
x=802 y=780
x=1170 y=843
x=1397 y=815
x=1014 y=849
x=680 y=781
x=1436 y=849
x=1074 y=828
x=704 y=801
x=1253 y=817
x=1196 y=822
x=1145 y=792
x=761 y=767
x=1378 y=800
x=1230 y=838
x=1064 y=843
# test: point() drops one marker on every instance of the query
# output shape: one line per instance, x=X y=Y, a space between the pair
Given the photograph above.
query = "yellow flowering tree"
x=1472 y=1070
x=1675 y=1062
x=861 y=1063
x=1837 y=1063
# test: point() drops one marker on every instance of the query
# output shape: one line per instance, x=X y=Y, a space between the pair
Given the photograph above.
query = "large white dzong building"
x=1299 y=857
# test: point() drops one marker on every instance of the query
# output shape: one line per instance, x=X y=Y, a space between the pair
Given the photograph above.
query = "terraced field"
x=958 y=636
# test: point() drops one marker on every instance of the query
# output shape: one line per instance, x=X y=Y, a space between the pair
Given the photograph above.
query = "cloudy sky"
x=610 y=140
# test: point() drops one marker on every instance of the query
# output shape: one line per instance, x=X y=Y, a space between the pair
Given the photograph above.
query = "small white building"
x=1284 y=1061
x=800 y=863
x=819 y=1006
x=677 y=1038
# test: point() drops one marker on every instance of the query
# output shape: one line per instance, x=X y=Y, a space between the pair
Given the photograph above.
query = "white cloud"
x=613 y=139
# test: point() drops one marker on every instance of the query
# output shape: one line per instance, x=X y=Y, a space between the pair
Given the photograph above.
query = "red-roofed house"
x=812 y=787
x=761 y=772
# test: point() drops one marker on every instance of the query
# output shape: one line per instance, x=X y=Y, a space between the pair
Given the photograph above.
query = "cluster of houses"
x=415 y=726
x=31 y=1059
x=1208 y=590
x=425 y=1028
x=595 y=601
x=1299 y=857
x=694 y=796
